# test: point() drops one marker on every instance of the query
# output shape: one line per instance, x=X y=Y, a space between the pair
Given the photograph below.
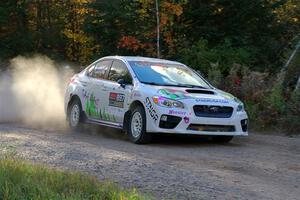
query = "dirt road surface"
x=256 y=167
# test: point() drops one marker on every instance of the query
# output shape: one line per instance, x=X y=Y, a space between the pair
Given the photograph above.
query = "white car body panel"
x=111 y=111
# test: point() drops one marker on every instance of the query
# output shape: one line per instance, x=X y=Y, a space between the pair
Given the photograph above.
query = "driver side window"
x=119 y=71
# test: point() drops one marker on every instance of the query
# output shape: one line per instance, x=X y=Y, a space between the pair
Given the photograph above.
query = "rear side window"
x=119 y=71
x=100 y=69
x=90 y=71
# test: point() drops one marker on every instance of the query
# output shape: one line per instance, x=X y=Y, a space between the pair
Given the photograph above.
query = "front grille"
x=213 y=111
x=211 y=128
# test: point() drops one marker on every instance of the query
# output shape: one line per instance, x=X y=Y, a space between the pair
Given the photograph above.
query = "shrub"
x=270 y=102
x=273 y=105
x=291 y=120
x=215 y=76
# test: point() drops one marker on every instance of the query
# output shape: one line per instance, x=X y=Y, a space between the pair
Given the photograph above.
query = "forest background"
x=241 y=46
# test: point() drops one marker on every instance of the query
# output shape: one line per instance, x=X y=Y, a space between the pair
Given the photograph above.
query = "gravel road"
x=256 y=167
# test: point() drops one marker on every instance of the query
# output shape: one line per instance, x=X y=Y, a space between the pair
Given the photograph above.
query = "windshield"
x=167 y=74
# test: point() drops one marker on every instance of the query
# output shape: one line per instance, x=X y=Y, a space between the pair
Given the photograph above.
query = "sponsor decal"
x=116 y=99
x=176 y=112
x=151 y=110
x=212 y=100
x=186 y=120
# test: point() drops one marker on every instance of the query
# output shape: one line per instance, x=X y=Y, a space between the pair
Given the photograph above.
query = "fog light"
x=169 y=121
x=244 y=124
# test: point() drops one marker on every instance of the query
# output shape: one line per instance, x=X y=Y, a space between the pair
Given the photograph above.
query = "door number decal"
x=116 y=99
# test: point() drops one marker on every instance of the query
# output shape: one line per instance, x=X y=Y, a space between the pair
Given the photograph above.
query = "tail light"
x=73 y=79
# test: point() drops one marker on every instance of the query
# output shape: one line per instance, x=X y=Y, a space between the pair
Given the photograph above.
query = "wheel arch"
x=72 y=99
x=127 y=114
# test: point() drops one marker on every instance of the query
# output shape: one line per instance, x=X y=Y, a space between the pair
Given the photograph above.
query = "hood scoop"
x=192 y=91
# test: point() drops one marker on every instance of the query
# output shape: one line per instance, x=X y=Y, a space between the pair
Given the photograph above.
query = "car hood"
x=198 y=94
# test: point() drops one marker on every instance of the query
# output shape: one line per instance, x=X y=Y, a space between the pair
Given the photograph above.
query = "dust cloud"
x=32 y=92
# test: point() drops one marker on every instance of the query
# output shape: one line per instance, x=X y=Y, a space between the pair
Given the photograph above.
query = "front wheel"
x=222 y=139
x=137 y=126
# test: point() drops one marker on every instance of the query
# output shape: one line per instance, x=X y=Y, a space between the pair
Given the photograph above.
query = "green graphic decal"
x=174 y=94
x=93 y=111
x=114 y=118
x=178 y=95
x=90 y=107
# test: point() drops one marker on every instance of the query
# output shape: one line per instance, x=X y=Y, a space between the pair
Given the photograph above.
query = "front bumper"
x=189 y=123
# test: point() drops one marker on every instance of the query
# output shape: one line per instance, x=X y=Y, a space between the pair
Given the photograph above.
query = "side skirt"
x=104 y=123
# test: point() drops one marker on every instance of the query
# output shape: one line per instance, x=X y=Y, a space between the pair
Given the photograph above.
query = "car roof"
x=139 y=58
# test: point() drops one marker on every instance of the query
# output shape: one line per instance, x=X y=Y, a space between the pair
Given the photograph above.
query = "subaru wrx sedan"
x=144 y=96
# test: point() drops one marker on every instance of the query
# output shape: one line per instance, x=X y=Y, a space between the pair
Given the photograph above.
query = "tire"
x=137 y=126
x=221 y=139
x=75 y=114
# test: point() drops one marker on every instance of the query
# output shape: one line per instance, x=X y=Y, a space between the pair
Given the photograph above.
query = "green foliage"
x=268 y=104
x=201 y=57
x=258 y=25
x=214 y=75
x=273 y=106
x=253 y=33
x=254 y=115
x=290 y=121
x=293 y=71
x=21 y=180
x=275 y=100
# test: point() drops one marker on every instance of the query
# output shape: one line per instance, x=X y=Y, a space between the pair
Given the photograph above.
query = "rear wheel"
x=137 y=126
x=222 y=139
x=75 y=114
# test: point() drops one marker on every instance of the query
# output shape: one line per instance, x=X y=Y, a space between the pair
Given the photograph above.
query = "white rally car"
x=143 y=96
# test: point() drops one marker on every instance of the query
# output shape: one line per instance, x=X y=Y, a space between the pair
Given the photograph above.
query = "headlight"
x=240 y=108
x=165 y=102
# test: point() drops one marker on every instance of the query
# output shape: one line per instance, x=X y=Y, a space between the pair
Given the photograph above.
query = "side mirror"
x=121 y=82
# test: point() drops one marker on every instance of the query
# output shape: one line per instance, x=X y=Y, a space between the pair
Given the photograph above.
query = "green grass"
x=22 y=180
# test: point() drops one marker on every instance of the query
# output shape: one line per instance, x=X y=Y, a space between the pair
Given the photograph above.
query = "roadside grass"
x=20 y=179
